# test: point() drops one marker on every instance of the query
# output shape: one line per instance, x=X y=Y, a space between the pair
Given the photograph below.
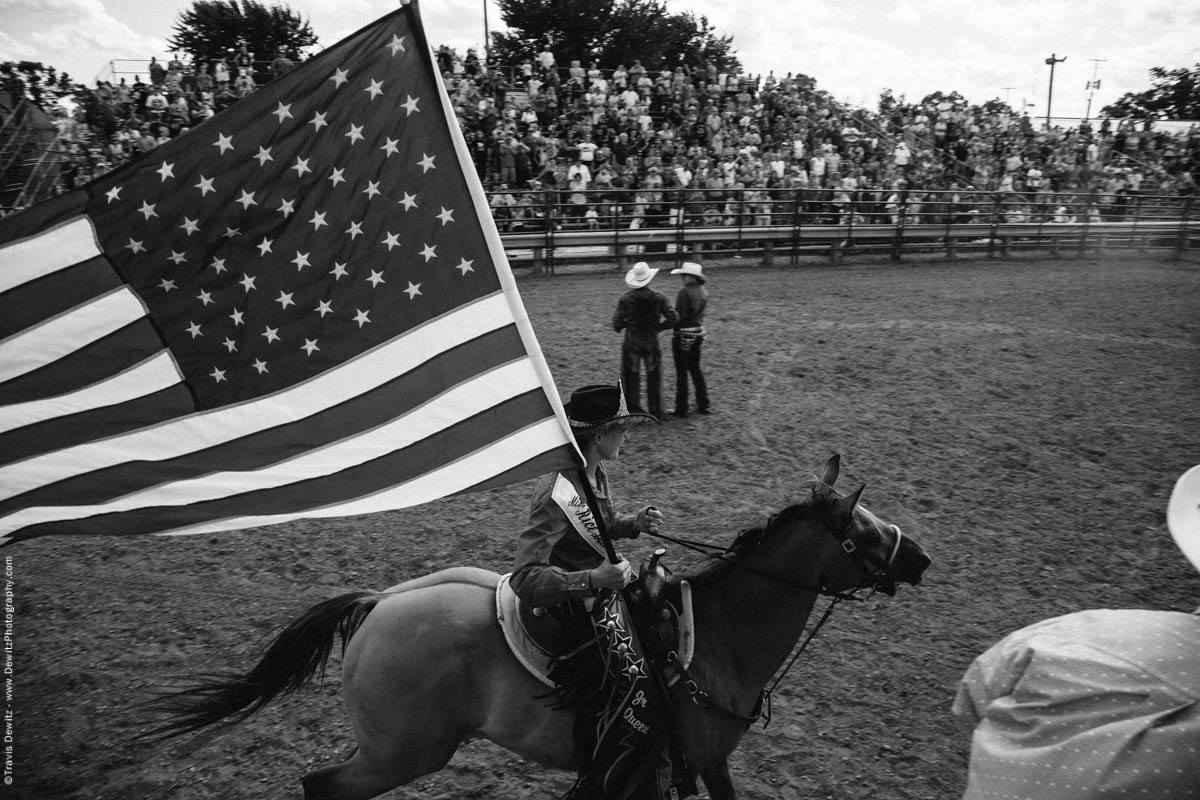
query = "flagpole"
x=594 y=506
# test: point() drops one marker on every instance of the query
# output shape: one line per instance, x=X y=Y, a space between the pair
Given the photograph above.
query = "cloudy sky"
x=854 y=48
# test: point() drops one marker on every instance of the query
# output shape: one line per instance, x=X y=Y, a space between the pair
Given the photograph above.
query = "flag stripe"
x=202 y=431
x=30 y=303
x=87 y=426
x=149 y=376
x=63 y=246
x=376 y=485
x=15 y=228
x=464 y=402
x=60 y=336
x=92 y=364
x=354 y=416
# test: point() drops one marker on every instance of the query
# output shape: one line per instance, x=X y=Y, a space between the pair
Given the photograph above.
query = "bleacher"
x=30 y=161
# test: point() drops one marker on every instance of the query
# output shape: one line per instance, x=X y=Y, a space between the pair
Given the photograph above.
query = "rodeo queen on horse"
x=569 y=583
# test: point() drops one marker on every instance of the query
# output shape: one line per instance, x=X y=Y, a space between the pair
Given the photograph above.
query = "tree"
x=213 y=29
x=610 y=32
x=1174 y=94
x=30 y=79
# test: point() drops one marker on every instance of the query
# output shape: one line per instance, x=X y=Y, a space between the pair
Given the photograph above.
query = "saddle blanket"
x=537 y=660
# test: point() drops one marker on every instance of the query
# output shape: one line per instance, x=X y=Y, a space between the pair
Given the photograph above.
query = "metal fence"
x=546 y=228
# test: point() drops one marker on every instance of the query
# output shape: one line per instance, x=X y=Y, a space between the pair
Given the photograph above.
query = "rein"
x=763 y=708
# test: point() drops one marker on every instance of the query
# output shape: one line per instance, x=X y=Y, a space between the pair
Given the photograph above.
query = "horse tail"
x=291 y=661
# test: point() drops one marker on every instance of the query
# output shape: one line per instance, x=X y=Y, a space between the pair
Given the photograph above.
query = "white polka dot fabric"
x=1095 y=704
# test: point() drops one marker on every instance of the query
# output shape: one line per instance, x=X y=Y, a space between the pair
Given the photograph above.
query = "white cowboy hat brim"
x=1183 y=515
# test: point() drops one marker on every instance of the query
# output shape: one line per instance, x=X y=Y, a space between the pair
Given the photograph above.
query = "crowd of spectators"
x=637 y=147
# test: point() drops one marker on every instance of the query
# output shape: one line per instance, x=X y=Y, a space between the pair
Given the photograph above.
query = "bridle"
x=877 y=578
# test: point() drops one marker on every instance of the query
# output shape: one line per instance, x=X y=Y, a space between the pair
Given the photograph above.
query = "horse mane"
x=748 y=540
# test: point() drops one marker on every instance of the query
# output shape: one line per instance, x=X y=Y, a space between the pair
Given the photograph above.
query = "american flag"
x=300 y=308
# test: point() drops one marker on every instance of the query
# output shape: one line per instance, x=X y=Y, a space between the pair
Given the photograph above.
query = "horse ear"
x=829 y=473
x=843 y=509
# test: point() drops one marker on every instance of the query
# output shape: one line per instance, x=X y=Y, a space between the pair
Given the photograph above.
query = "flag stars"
x=147 y=210
x=390 y=147
x=283 y=112
x=113 y=194
x=217 y=375
x=323 y=307
x=301 y=167
x=194 y=330
x=285 y=300
x=426 y=163
x=264 y=155
x=465 y=266
x=446 y=216
x=337 y=176
x=247 y=283
x=286 y=207
x=372 y=189
x=218 y=264
x=429 y=253
x=361 y=317
x=355 y=230
x=339 y=77
x=135 y=246
x=232 y=232
x=167 y=285
x=355 y=133
x=339 y=270
x=318 y=121
x=271 y=334
x=205 y=186
x=310 y=346
x=190 y=226
x=176 y=257
x=264 y=246
x=230 y=345
x=410 y=105
x=238 y=317
x=246 y=200
x=375 y=279
x=396 y=45
x=301 y=261
x=375 y=89
x=318 y=220
x=166 y=171
x=260 y=366
x=409 y=202
x=413 y=290
x=223 y=143
x=392 y=240
x=205 y=298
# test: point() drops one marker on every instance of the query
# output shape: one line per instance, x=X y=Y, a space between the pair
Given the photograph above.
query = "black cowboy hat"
x=593 y=407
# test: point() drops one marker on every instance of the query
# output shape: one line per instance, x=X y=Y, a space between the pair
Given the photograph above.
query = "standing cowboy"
x=642 y=313
x=690 y=305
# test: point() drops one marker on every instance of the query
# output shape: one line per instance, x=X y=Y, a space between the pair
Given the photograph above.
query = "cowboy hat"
x=1183 y=515
x=639 y=275
x=690 y=268
x=593 y=407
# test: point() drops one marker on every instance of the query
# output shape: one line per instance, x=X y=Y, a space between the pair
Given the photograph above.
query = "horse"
x=426 y=666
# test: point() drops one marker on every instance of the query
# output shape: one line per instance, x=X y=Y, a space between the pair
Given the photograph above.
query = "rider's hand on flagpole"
x=611 y=576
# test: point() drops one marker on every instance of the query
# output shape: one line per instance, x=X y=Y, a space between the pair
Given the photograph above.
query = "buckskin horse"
x=426 y=667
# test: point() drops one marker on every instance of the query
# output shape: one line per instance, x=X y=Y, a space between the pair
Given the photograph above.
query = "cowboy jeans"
x=687 y=362
x=633 y=355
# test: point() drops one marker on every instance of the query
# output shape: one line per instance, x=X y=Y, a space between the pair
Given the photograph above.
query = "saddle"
x=662 y=607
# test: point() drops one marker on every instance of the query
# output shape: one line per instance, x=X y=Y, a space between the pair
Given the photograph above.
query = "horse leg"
x=718 y=781
x=365 y=775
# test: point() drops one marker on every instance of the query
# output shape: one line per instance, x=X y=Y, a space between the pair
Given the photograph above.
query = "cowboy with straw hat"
x=567 y=579
x=1094 y=703
x=642 y=313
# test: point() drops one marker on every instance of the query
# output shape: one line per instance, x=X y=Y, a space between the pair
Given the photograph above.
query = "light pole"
x=485 y=35
x=1050 y=95
x=1092 y=86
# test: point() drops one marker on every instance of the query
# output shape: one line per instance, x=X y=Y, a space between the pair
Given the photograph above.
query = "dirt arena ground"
x=1025 y=419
